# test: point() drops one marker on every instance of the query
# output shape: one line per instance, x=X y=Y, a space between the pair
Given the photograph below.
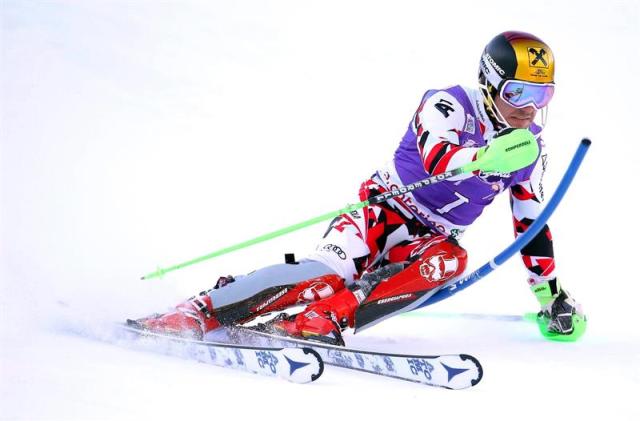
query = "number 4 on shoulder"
x=445 y=107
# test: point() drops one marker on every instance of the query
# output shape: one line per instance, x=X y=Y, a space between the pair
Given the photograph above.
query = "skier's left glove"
x=559 y=314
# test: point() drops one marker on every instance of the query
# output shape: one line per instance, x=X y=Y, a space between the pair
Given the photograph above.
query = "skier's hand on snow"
x=510 y=150
x=559 y=311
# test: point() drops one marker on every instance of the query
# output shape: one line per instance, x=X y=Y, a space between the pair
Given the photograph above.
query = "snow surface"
x=137 y=134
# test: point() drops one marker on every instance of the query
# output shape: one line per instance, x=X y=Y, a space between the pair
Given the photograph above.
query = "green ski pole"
x=507 y=153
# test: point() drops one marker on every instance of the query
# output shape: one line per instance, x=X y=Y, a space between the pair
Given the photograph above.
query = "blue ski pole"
x=457 y=285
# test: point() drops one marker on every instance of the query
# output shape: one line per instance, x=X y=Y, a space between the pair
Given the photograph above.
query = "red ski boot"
x=321 y=321
x=191 y=319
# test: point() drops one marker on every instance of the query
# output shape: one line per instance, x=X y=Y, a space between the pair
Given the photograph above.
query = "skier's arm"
x=559 y=311
x=437 y=124
x=526 y=204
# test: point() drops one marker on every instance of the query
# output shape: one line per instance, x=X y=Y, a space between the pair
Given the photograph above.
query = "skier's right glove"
x=560 y=316
x=509 y=151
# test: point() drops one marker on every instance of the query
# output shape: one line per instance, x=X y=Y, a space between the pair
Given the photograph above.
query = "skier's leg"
x=354 y=243
x=415 y=268
x=433 y=262
x=358 y=241
x=242 y=298
x=273 y=288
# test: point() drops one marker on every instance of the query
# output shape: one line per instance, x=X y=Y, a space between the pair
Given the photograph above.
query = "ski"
x=295 y=364
x=453 y=371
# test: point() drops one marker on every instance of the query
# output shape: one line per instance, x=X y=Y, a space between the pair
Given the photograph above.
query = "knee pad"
x=436 y=262
x=441 y=262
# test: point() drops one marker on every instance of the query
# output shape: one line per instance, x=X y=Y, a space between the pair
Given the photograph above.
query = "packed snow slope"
x=142 y=134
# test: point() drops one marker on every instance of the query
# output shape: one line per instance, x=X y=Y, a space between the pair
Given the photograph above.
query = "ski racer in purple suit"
x=374 y=262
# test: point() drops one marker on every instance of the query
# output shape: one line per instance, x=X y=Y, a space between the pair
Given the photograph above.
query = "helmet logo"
x=536 y=57
x=494 y=64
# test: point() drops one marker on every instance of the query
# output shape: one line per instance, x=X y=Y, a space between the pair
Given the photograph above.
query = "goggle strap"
x=490 y=73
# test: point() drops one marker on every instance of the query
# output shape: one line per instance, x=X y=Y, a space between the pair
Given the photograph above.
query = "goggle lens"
x=522 y=94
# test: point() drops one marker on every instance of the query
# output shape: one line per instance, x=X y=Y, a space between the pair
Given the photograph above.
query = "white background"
x=137 y=134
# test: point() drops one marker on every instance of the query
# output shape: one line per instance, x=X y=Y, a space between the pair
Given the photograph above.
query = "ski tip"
x=586 y=141
x=315 y=353
x=304 y=365
x=466 y=357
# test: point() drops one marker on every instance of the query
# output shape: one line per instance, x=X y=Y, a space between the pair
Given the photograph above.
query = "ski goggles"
x=521 y=94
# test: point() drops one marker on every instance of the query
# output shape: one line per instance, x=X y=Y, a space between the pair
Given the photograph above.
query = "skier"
x=376 y=261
